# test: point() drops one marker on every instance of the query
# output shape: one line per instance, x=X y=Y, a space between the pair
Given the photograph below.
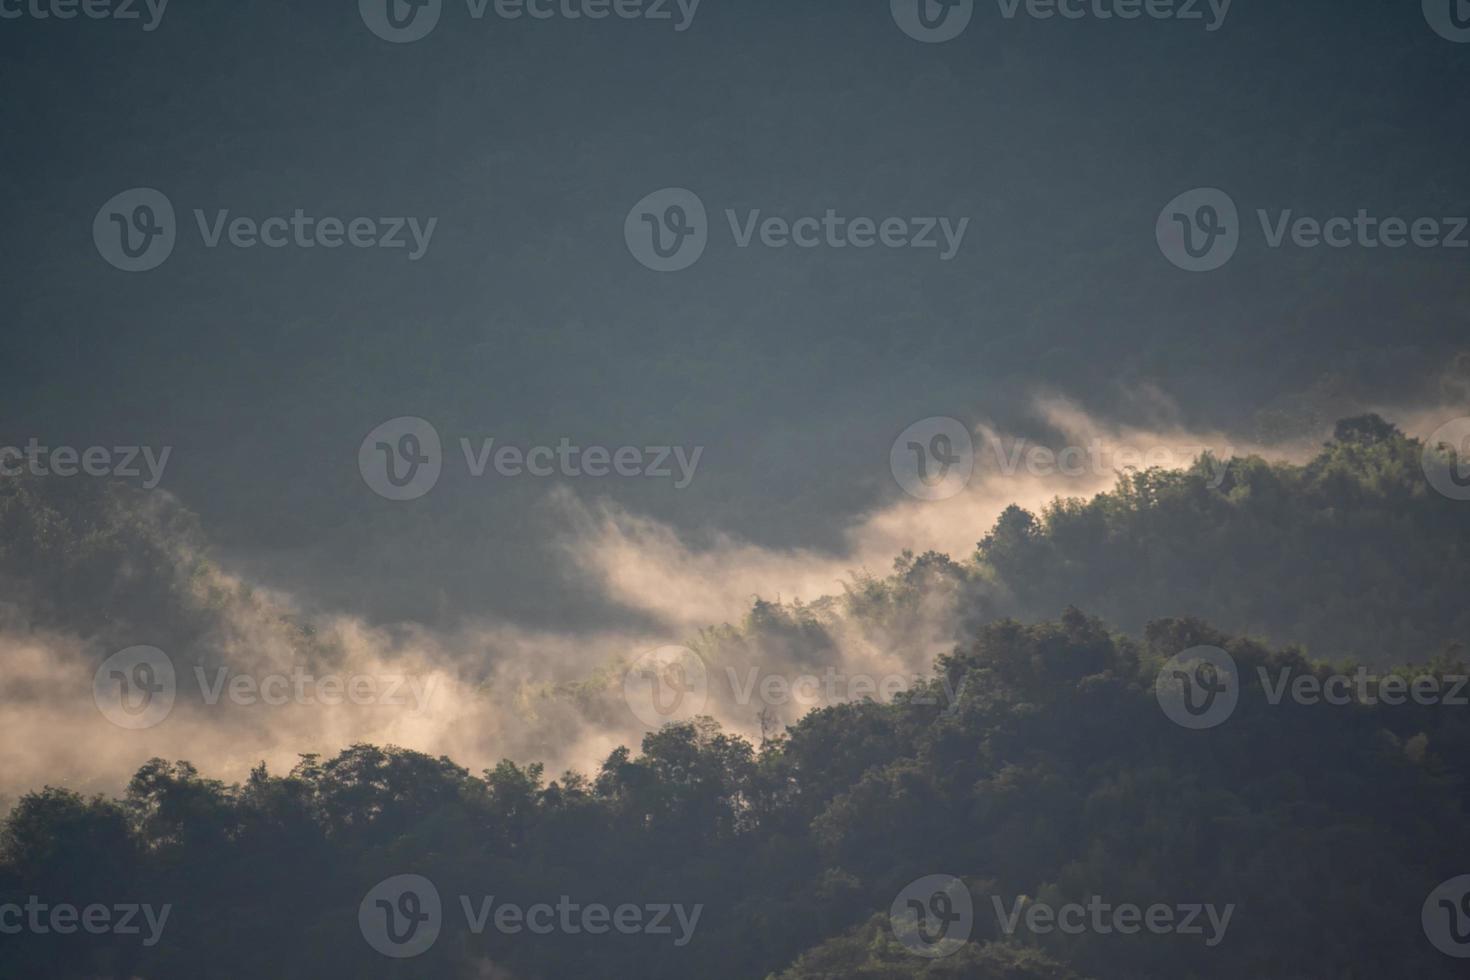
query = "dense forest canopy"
x=1034 y=765
x=1056 y=778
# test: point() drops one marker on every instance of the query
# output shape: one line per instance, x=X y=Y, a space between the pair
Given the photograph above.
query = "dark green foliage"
x=1056 y=776
x=1351 y=554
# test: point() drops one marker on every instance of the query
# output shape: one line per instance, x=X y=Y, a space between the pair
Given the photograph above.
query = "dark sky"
x=528 y=319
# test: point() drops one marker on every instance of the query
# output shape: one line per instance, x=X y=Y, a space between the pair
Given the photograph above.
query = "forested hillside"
x=1056 y=778
x=1351 y=554
x=1035 y=766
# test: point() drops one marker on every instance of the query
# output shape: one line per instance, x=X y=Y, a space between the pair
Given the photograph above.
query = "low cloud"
x=496 y=690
